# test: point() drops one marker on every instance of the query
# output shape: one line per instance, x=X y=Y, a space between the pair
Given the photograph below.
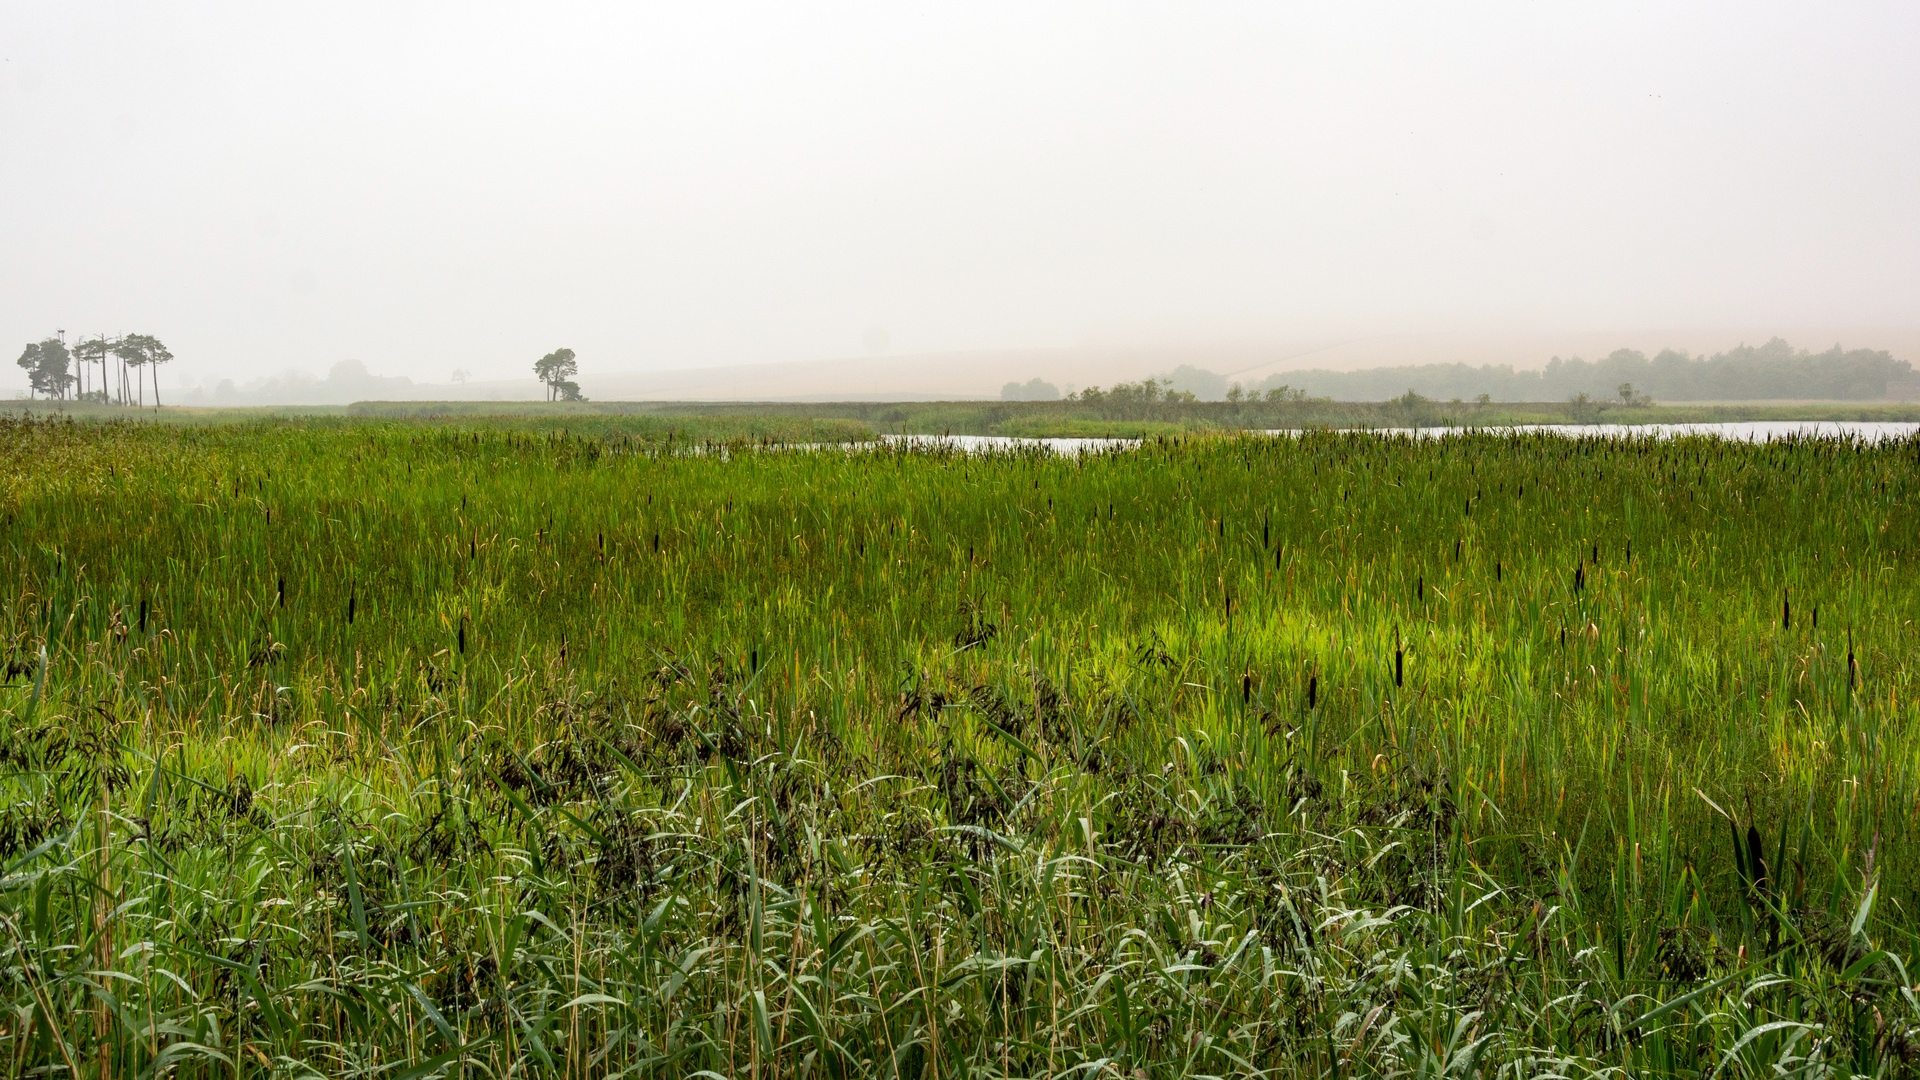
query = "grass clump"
x=1336 y=753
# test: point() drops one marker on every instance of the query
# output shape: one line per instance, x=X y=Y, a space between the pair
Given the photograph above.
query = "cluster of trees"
x=1147 y=398
x=1775 y=370
x=61 y=372
x=1034 y=389
x=557 y=369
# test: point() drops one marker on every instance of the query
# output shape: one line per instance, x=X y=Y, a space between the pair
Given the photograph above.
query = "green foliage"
x=557 y=370
x=142 y=352
x=493 y=747
x=46 y=365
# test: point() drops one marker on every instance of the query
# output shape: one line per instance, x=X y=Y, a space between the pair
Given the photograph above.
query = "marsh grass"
x=398 y=749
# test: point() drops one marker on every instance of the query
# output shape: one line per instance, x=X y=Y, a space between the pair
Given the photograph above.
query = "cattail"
x=463 y=635
x=756 y=660
x=1786 y=611
x=1420 y=589
x=1579 y=577
x=1313 y=690
x=656 y=543
x=1399 y=659
x=283 y=592
x=1276 y=558
x=1851 y=667
x=350 y=599
x=143 y=615
x=1456 y=550
x=1496 y=570
x=1756 y=865
x=1265 y=540
x=1816 y=616
x=1246 y=689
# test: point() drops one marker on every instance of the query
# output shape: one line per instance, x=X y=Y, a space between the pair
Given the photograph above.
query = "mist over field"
x=865 y=201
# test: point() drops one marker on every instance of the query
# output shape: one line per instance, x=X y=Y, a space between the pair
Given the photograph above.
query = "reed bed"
x=404 y=750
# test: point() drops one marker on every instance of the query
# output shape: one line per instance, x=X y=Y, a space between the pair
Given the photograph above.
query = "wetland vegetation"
x=489 y=747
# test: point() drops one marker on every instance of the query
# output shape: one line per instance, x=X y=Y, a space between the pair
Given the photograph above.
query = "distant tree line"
x=1775 y=370
x=58 y=371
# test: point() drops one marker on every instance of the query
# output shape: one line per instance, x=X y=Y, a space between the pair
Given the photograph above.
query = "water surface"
x=1742 y=431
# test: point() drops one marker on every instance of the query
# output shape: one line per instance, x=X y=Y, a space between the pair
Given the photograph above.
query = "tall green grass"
x=398 y=749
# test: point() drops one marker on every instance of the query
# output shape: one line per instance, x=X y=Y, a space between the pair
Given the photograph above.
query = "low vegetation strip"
x=411 y=748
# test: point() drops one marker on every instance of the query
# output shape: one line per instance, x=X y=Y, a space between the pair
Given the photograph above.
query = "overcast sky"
x=424 y=187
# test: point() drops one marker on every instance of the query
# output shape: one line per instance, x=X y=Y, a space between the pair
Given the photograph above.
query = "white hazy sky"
x=429 y=186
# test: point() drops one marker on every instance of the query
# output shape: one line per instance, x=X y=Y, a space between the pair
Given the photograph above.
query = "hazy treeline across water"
x=1774 y=371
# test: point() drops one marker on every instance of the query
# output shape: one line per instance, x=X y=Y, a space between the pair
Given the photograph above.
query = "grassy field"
x=408 y=748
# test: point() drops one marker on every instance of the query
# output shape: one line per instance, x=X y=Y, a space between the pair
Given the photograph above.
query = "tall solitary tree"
x=557 y=370
x=46 y=365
